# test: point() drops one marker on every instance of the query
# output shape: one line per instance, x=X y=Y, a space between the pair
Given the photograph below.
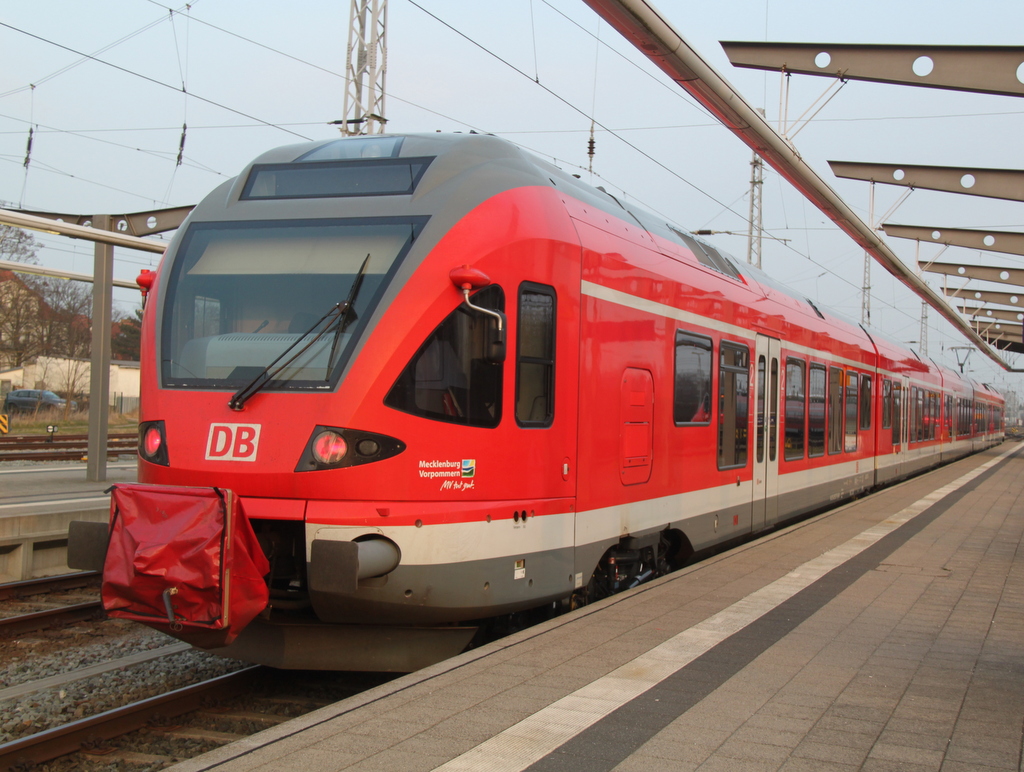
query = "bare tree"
x=20 y=304
x=18 y=245
x=65 y=321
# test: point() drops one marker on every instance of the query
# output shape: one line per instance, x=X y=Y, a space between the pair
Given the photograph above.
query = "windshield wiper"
x=347 y=315
x=337 y=315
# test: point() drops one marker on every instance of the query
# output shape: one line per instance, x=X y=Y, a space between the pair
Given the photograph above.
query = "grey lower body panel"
x=454 y=592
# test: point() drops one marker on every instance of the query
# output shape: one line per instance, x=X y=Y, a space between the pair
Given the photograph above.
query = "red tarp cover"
x=193 y=547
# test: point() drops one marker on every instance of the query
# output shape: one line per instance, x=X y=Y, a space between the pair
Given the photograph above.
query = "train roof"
x=461 y=170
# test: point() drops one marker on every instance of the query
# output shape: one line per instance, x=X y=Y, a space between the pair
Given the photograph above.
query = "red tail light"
x=329 y=447
x=153 y=442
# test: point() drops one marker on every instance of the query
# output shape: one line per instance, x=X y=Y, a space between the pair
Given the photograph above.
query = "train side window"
x=450 y=378
x=851 y=412
x=759 y=419
x=886 y=404
x=835 y=410
x=773 y=411
x=865 y=402
x=914 y=419
x=897 y=414
x=816 y=412
x=692 y=405
x=733 y=397
x=206 y=315
x=919 y=414
x=796 y=409
x=535 y=363
x=949 y=416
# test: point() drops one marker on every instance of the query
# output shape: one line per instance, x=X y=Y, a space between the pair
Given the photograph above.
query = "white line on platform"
x=535 y=737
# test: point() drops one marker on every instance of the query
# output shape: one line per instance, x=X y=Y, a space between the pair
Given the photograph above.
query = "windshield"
x=240 y=294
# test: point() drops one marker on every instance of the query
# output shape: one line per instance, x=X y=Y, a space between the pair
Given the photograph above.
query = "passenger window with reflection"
x=692 y=401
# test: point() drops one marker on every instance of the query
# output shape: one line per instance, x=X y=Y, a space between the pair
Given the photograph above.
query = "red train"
x=442 y=380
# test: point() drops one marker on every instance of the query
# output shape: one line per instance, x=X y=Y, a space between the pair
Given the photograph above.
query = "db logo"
x=233 y=442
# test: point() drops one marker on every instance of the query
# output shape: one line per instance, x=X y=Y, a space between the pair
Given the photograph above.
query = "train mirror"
x=145 y=282
x=465 y=279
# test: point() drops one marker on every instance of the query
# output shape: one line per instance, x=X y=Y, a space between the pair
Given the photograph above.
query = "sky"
x=247 y=76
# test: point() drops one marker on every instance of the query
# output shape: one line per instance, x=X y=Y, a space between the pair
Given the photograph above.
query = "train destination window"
x=692 y=401
x=733 y=397
x=335 y=179
x=796 y=408
x=816 y=412
x=450 y=378
x=865 y=402
x=535 y=363
x=835 y=410
x=851 y=412
x=241 y=294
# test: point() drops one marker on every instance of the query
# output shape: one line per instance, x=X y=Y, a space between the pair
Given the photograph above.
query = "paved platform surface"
x=885 y=635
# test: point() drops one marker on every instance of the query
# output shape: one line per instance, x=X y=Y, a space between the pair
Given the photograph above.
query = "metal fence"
x=121 y=403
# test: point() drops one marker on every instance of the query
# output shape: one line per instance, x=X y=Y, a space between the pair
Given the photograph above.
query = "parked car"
x=30 y=400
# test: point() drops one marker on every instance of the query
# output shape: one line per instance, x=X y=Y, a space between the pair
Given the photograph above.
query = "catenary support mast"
x=366 y=68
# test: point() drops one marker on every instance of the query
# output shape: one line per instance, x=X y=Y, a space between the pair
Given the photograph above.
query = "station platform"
x=885 y=634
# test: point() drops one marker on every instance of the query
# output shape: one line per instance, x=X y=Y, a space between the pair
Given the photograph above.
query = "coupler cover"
x=185 y=561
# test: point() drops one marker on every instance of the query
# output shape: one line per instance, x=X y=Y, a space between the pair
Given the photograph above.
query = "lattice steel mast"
x=756 y=218
x=366 y=69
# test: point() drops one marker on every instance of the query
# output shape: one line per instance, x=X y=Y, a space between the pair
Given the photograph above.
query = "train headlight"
x=153 y=442
x=329 y=448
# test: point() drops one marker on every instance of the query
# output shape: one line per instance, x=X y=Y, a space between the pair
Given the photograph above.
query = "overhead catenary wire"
x=183 y=73
x=646 y=155
x=149 y=79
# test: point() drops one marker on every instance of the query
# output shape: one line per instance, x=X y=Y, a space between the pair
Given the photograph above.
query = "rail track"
x=59 y=583
x=91 y=734
x=53 y=617
x=186 y=722
x=35 y=447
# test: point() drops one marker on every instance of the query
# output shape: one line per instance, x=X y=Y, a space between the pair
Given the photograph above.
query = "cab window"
x=451 y=378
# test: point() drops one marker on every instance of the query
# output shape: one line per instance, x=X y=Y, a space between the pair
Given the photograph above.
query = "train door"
x=766 y=433
x=901 y=432
x=546 y=372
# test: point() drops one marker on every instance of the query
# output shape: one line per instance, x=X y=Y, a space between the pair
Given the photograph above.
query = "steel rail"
x=62 y=455
x=64 y=443
x=60 y=741
x=647 y=29
x=41 y=438
x=42 y=584
x=39 y=620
